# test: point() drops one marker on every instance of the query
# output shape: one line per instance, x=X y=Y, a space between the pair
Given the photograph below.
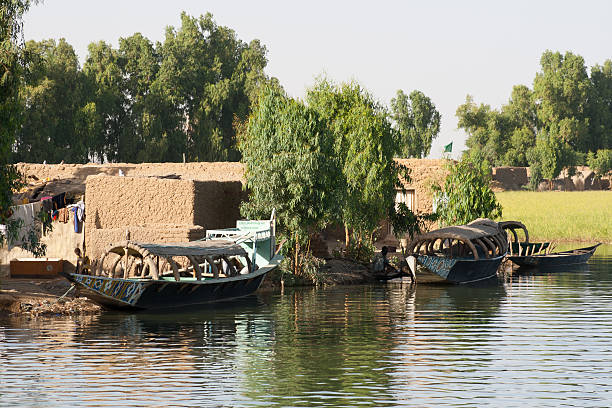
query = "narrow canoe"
x=571 y=257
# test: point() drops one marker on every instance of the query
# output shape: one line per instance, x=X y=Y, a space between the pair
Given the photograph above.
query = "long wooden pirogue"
x=229 y=263
x=527 y=254
x=461 y=254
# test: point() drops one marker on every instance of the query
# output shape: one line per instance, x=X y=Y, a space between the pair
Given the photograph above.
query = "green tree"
x=564 y=102
x=290 y=165
x=365 y=146
x=489 y=131
x=600 y=107
x=522 y=126
x=465 y=194
x=550 y=155
x=561 y=91
x=104 y=73
x=11 y=67
x=211 y=78
x=417 y=122
x=600 y=162
x=11 y=59
x=52 y=96
x=521 y=108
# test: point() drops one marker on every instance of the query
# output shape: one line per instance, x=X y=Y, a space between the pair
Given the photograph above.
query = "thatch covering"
x=194 y=248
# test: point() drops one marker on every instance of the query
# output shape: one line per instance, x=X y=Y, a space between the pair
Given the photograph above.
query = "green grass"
x=561 y=215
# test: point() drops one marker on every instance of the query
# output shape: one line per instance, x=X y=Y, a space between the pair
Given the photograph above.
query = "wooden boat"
x=518 y=246
x=460 y=254
x=228 y=263
x=527 y=254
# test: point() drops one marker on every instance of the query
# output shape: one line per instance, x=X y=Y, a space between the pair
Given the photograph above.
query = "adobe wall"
x=113 y=202
x=60 y=242
x=424 y=173
x=156 y=209
x=514 y=178
x=70 y=178
x=220 y=171
x=217 y=203
x=510 y=178
x=99 y=240
x=159 y=202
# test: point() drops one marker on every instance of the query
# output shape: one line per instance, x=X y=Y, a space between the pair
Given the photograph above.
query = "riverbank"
x=41 y=297
x=560 y=216
x=331 y=272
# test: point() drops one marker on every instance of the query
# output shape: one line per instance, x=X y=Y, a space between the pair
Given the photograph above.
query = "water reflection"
x=539 y=339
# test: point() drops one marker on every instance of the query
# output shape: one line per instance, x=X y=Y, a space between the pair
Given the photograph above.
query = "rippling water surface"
x=534 y=340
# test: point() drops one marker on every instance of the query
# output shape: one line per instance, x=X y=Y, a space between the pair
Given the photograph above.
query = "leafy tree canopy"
x=291 y=166
x=601 y=161
x=142 y=101
x=565 y=102
x=417 y=122
x=52 y=96
x=365 y=146
x=465 y=194
x=11 y=65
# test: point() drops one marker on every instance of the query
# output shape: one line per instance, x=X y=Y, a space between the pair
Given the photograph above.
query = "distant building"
x=417 y=193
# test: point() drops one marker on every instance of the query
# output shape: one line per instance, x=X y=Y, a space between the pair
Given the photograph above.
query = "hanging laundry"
x=47 y=203
x=77 y=223
x=28 y=214
x=63 y=215
x=59 y=201
x=80 y=210
x=78 y=215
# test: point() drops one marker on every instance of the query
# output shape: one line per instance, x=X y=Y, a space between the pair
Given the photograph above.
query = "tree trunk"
x=347 y=239
x=295 y=262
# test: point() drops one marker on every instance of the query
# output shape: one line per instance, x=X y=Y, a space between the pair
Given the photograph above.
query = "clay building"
x=158 y=202
x=167 y=202
x=152 y=209
x=417 y=193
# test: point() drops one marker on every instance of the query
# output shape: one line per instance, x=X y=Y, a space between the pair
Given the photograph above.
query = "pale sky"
x=446 y=49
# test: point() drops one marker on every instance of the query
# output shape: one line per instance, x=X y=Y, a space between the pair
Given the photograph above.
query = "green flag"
x=448 y=148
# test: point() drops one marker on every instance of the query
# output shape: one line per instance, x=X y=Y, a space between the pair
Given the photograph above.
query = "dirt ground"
x=39 y=297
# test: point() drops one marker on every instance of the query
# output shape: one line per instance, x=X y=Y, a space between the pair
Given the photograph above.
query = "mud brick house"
x=155 y=202
x=152 y=209
x=171 y=202
x=416 y=194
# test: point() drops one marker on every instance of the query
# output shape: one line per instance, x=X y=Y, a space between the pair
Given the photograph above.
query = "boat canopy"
x=193 y=248
x=513 y=226
x=482 y=237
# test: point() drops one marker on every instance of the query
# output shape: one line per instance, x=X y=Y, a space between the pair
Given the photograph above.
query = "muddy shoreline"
x=42 y=297
x=49 y=297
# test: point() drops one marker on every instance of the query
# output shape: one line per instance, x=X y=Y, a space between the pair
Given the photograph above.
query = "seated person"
x=83 y=266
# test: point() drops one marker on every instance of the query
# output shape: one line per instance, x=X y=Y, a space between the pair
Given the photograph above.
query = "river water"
x=540 y=340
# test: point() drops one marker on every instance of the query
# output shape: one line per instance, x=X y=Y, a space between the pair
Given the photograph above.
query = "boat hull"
x=459 y=270
x=135 y=294
x=572 y=257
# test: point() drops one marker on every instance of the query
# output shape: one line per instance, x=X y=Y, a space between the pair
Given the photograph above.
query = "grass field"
x=561 y=215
